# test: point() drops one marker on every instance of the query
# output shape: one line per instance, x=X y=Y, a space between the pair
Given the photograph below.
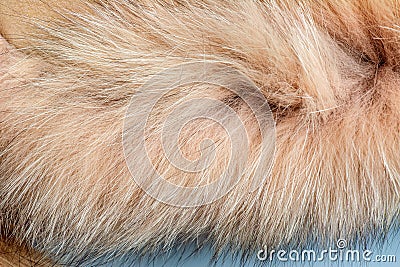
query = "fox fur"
x=329 y=69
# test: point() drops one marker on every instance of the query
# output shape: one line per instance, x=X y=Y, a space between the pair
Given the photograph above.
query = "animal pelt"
x=329 y=70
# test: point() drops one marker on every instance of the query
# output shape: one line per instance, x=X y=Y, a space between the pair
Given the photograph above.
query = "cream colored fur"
x=329 y=70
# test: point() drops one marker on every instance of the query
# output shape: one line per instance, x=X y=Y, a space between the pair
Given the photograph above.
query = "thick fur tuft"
x=329 y=70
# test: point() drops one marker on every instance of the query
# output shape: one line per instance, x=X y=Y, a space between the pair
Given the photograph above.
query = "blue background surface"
x=202 y=259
